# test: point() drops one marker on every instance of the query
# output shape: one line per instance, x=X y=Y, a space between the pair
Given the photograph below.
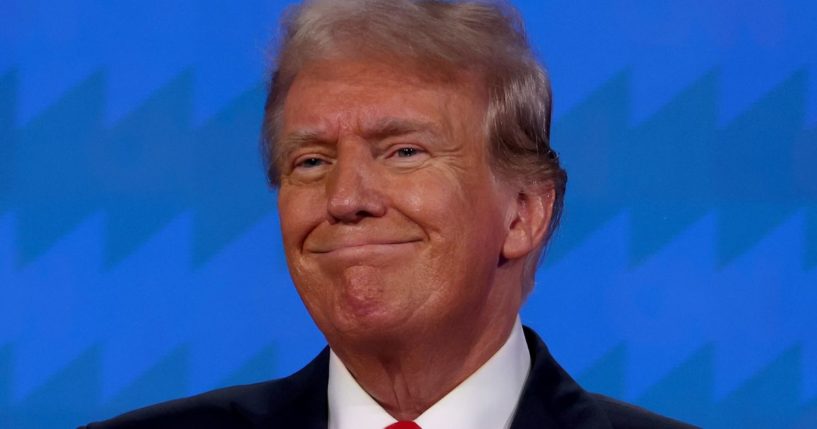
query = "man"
x=409 y=142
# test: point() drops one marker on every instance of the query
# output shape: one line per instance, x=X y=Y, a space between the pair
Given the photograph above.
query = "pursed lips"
x=358 y=244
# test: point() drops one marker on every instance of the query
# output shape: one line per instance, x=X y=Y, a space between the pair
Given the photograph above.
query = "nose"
x=353 y=186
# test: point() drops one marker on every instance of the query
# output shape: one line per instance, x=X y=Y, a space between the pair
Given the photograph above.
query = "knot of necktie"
x=404 y=425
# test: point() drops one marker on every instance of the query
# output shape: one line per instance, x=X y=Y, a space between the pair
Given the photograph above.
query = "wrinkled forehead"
x=376 y=95
x=372 y=61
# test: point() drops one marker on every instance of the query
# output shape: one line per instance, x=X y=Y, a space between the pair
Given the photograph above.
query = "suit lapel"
x=298 y=401
x=551 y=399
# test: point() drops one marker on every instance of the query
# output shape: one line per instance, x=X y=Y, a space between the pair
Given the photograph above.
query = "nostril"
x=355 y=207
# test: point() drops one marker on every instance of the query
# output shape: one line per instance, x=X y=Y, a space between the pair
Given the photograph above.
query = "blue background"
x=139 y=248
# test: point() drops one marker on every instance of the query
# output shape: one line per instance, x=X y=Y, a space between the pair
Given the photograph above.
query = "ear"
x=530 y=221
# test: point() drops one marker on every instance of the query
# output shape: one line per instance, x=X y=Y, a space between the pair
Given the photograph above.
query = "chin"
x=370 y=321
x=369 y=304
x=368 y=312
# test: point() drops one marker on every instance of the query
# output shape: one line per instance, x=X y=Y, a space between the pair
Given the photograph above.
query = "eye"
x=406 y=152
x=310 y=163
x=405 y=156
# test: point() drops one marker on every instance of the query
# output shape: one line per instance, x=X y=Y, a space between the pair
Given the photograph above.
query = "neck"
x=408 y=376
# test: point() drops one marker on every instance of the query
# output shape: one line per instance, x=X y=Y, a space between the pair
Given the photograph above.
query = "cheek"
x=474 y=216
x=435 y=199
x=459 y=215
x=299 y=212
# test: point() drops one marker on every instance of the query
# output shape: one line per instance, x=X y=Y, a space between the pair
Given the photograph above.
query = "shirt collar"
x=485 y=400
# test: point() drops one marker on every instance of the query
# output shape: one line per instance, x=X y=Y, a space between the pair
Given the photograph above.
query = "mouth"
x=362 y=246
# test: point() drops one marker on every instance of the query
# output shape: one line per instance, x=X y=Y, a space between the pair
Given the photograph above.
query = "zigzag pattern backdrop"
x=139 y=254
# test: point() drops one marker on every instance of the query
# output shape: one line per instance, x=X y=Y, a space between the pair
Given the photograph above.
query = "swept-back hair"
x=438 y=38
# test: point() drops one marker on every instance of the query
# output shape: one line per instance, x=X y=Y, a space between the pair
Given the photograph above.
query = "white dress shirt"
x=485 y=400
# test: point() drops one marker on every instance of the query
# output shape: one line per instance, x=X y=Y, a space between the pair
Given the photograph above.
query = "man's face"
x=392 y=219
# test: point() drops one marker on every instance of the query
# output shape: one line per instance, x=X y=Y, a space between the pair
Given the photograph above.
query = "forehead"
x=360 y=94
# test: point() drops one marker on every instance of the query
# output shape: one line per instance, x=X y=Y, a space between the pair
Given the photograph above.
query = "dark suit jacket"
x=551 y=399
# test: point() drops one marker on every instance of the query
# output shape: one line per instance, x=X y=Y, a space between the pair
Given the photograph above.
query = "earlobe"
x=529 y=226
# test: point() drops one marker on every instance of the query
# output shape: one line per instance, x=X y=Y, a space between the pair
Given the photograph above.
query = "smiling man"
x=409 y=142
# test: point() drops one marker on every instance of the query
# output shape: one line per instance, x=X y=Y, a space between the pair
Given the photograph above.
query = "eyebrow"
x=292 y=141
x=392 y=127
x=379 y=130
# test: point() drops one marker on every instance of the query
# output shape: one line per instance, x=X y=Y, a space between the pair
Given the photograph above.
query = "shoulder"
x=275 y=403
x=551 y=395
x=208 y=410
x=623 y=415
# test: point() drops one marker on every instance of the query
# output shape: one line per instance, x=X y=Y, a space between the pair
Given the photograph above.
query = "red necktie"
x=404 y=425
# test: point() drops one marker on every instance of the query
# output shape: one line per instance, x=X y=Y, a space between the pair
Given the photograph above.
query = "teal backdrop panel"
x=140 y=255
